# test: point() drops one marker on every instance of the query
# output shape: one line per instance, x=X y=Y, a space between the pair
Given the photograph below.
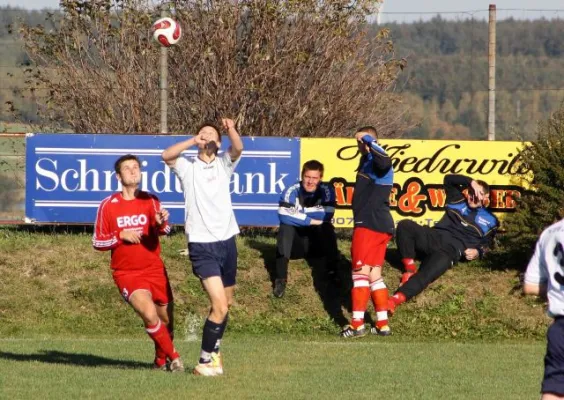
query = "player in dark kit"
x=466 y=230
x=129 y=224
x=373 y=229
x=305 y=212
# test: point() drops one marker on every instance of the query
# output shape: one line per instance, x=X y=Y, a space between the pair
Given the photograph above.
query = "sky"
x=414 y=10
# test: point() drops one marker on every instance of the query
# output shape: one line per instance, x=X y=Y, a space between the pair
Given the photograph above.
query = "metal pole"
x=491 y=74
x=164 y=85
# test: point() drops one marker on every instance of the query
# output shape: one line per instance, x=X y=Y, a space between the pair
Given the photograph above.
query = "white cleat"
x=212 y=368
x=176 y=365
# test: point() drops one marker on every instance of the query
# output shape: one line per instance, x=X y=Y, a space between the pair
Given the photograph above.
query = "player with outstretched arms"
x=373 y=229
x=210 y=227
x=545 y=277
x=129 y=224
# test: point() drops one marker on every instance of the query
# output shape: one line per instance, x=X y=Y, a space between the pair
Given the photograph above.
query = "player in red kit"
x=129 y=224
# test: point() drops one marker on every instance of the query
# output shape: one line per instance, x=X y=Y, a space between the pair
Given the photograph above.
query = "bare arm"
x=170 y=154
x=236 y=147
x=534 y=290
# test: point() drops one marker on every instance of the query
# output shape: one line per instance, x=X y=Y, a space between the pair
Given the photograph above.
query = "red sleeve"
x=104 y=238
x=163 y=229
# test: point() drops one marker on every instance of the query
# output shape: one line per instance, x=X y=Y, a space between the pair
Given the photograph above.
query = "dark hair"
x=368 y=128
x=211 y=125
x=485 y=186
x=312 y=165
x=122 y=159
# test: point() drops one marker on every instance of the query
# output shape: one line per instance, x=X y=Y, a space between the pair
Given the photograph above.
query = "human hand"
x=131 y=236
x=200 y=140
x=471 y=254
x=316 y=222
x=161 y=216
x=228 y=123
x=477 y=191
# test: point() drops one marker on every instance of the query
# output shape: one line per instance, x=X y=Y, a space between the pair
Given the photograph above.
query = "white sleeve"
x=537 y=272
x=228 y=164
x=181 y=168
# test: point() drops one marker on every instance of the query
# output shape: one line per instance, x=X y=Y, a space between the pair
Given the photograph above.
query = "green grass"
x=55 y=284
x=274 y=367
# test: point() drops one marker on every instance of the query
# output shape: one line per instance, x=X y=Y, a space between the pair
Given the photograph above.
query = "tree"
x=280 y=68
x=542 y=171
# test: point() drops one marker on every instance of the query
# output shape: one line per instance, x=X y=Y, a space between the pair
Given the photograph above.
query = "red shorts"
x=368 y=248
x=154 y=281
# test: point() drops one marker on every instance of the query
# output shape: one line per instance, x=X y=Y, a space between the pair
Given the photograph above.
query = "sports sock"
x=379 y=294
x=161 y=337
x=218 y=342
x=212 y=332
x=409 y=264
x=360 y=294
x=160 y=355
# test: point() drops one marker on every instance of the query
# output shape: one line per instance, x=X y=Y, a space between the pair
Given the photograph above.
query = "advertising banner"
x=68 y=175
x=419 y=170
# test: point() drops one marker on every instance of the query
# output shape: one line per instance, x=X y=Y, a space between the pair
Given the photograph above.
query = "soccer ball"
x=166 y=31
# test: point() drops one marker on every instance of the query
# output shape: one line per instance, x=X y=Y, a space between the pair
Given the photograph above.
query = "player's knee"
x=220 y=311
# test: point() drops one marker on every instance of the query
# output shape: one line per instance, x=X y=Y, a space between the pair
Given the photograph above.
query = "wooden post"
x=491 y=73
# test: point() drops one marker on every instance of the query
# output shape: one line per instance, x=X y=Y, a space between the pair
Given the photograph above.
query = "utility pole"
x=163 y=83
x=491 y=73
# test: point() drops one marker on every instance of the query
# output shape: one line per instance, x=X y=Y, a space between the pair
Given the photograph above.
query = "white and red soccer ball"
x=166 y=31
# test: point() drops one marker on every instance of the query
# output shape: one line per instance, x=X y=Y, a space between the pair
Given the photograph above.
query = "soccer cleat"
x=212 y=368
x=279 y=288
x=176 y=365
x=383 y=331
x=405 y=277
x=350 y=332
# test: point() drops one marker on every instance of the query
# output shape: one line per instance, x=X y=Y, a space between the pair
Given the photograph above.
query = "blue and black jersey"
x=298 y=207
x=473 y=227
x=374 y=182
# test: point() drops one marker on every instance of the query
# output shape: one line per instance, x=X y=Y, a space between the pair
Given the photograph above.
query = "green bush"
x=543 y=204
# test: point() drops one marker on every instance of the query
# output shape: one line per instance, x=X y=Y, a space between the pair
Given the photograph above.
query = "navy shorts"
x=553 y=381
x=215 y=259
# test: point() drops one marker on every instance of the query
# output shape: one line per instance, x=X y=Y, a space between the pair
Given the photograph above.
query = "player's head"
x=128 y=170
x=211 y=133
x=368 y=130
x=312 y=174
x=474 y=197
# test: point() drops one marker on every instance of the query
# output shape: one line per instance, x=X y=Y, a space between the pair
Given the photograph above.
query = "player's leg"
x=164 y=303
x=553 y=382
x=209 y=363
x=410 y=239
x=360 y=293
x=287 y=243
x=142 y=302
x=431 y=268
x=324 y=243
x=206 y=264
x=378 y=288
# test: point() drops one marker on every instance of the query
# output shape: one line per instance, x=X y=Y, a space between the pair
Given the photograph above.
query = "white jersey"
x=547 y=267
x=209 y=212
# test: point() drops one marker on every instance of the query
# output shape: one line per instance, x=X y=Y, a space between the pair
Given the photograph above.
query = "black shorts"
x=215 y=259
x=553 y=381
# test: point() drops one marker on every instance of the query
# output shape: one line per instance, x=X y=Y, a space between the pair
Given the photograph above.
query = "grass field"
x=67 y=333
x=274 y=367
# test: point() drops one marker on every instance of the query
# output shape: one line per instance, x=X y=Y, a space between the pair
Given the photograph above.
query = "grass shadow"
x=334 y=293
x=77 y=359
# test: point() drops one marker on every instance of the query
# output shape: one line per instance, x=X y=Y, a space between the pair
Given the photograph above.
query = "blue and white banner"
x=68 y=175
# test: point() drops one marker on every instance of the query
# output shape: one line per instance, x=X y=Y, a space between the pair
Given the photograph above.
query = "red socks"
x=163 y=343
x=379 y=293
x=360 y=295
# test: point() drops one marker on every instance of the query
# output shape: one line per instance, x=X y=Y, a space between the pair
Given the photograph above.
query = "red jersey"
x=116 y=214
